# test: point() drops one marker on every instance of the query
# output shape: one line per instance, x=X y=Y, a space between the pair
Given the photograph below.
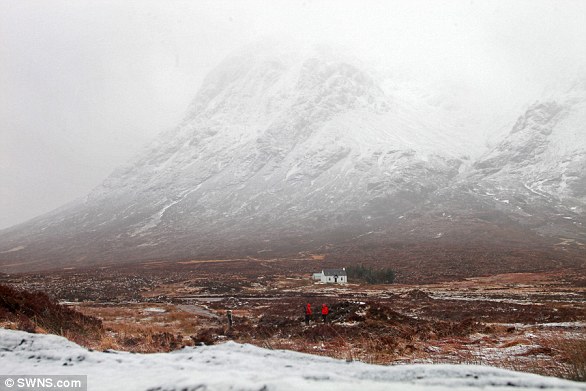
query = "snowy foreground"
x=233 y=366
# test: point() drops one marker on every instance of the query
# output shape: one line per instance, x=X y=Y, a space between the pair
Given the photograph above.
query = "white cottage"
x=332 y=276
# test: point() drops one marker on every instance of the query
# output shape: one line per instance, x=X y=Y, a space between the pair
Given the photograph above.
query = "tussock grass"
x=572 y=354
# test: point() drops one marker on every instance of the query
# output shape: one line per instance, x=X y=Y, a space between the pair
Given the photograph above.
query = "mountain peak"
x=264 y=78
x=289 y=149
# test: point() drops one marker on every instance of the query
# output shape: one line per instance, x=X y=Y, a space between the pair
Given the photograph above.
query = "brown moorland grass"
x=493 y=320
x=37 y=312
x=572 y=354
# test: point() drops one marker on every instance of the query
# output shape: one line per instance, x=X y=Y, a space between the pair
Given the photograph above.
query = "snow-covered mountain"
x=289 y=149
x=537 y=174
x=232 y=366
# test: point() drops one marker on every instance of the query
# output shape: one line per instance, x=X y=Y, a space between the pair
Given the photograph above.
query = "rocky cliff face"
x=537 y=173
x=287 y=151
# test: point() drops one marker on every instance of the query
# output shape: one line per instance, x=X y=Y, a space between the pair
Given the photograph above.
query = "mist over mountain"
x=285 y=150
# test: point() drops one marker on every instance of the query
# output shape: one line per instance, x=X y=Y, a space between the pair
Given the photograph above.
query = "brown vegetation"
x=37 y=312
x=572 y=357
x=516 y=320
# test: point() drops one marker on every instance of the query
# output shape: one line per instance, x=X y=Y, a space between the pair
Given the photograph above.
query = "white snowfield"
x=233 y=366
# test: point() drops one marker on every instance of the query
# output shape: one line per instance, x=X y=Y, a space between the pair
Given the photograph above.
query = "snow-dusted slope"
x=287 y=149
x=538 y=172
x=277 y=143
x=233 y=366
x=546 y=149
x=274 y=138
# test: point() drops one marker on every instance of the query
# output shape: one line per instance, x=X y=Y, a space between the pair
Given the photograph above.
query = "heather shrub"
x=370 y=275
x=573 y=358
x=32 y=310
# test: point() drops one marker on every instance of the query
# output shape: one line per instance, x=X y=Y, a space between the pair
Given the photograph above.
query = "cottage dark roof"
x=335 y=272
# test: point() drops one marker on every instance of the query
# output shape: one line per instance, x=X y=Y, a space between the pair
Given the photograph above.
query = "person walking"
x=324 y=312
x=229 y=316
x=307 y=313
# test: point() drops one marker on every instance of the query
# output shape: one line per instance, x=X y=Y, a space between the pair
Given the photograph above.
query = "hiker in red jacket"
x=307 y=313
x=324 y=312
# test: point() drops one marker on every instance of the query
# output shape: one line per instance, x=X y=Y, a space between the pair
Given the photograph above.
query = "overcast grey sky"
x=83 y=84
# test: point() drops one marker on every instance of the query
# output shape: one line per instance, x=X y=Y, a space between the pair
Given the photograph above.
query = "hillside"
x=285 y=150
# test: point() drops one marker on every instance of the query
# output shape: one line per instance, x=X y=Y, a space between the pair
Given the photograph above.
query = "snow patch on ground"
x=155 y=309
x=232 y=366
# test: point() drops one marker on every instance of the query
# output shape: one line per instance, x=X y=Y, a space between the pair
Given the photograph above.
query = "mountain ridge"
x=280 y=150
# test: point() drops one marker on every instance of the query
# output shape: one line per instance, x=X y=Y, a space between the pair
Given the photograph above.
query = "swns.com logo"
x=43 y=382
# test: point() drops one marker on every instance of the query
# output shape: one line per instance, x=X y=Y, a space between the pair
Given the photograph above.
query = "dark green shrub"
x=370 y=275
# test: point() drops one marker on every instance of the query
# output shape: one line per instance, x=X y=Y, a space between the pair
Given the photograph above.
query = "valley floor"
x=531 y=322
